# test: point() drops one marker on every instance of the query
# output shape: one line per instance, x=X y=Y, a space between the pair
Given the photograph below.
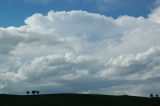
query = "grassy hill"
x=76 y=100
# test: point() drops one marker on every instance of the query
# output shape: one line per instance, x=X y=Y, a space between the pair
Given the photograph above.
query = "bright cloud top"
x=78 y=51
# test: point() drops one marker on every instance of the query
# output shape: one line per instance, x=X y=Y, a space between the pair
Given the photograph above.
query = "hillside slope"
x=76 y=100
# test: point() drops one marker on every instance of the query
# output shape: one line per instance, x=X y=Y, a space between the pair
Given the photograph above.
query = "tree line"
x=152 y=96
x=34 y=92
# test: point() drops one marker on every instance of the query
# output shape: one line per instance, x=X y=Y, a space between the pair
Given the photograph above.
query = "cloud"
x=133 y=67
x=12 y=41
x=154 y=16
x=78 y=51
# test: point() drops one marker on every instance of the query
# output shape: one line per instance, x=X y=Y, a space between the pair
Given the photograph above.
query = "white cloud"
x=133 y=67
x=78 y=51
x=11 y=38
x=155 y=15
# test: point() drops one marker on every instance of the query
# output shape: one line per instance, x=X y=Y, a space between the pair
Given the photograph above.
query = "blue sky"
x=13 y=12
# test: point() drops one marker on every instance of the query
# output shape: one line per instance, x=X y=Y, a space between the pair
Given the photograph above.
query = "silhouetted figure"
x=33 y=92
x=27 y=92
x=157 y=95
x=151 y=95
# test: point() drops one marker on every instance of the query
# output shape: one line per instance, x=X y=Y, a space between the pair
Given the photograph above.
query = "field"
x=76 y=100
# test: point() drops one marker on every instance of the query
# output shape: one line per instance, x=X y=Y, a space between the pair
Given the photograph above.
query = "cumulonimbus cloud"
x=62 y=50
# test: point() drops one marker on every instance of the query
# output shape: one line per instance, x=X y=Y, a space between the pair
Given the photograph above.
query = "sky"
x=19 y=10
x=80 y=46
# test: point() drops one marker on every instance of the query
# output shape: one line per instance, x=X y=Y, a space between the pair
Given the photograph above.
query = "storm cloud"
x=82 y=52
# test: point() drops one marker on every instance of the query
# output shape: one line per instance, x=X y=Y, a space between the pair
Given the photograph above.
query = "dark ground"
x=76 y=100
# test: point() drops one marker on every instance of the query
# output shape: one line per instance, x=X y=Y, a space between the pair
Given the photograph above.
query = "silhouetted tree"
x=27 y=92
x=33 y=92
x=157 y=95
x=37 y=92
x=151 y=95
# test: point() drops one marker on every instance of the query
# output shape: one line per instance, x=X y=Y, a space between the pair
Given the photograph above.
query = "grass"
x=76 y=100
